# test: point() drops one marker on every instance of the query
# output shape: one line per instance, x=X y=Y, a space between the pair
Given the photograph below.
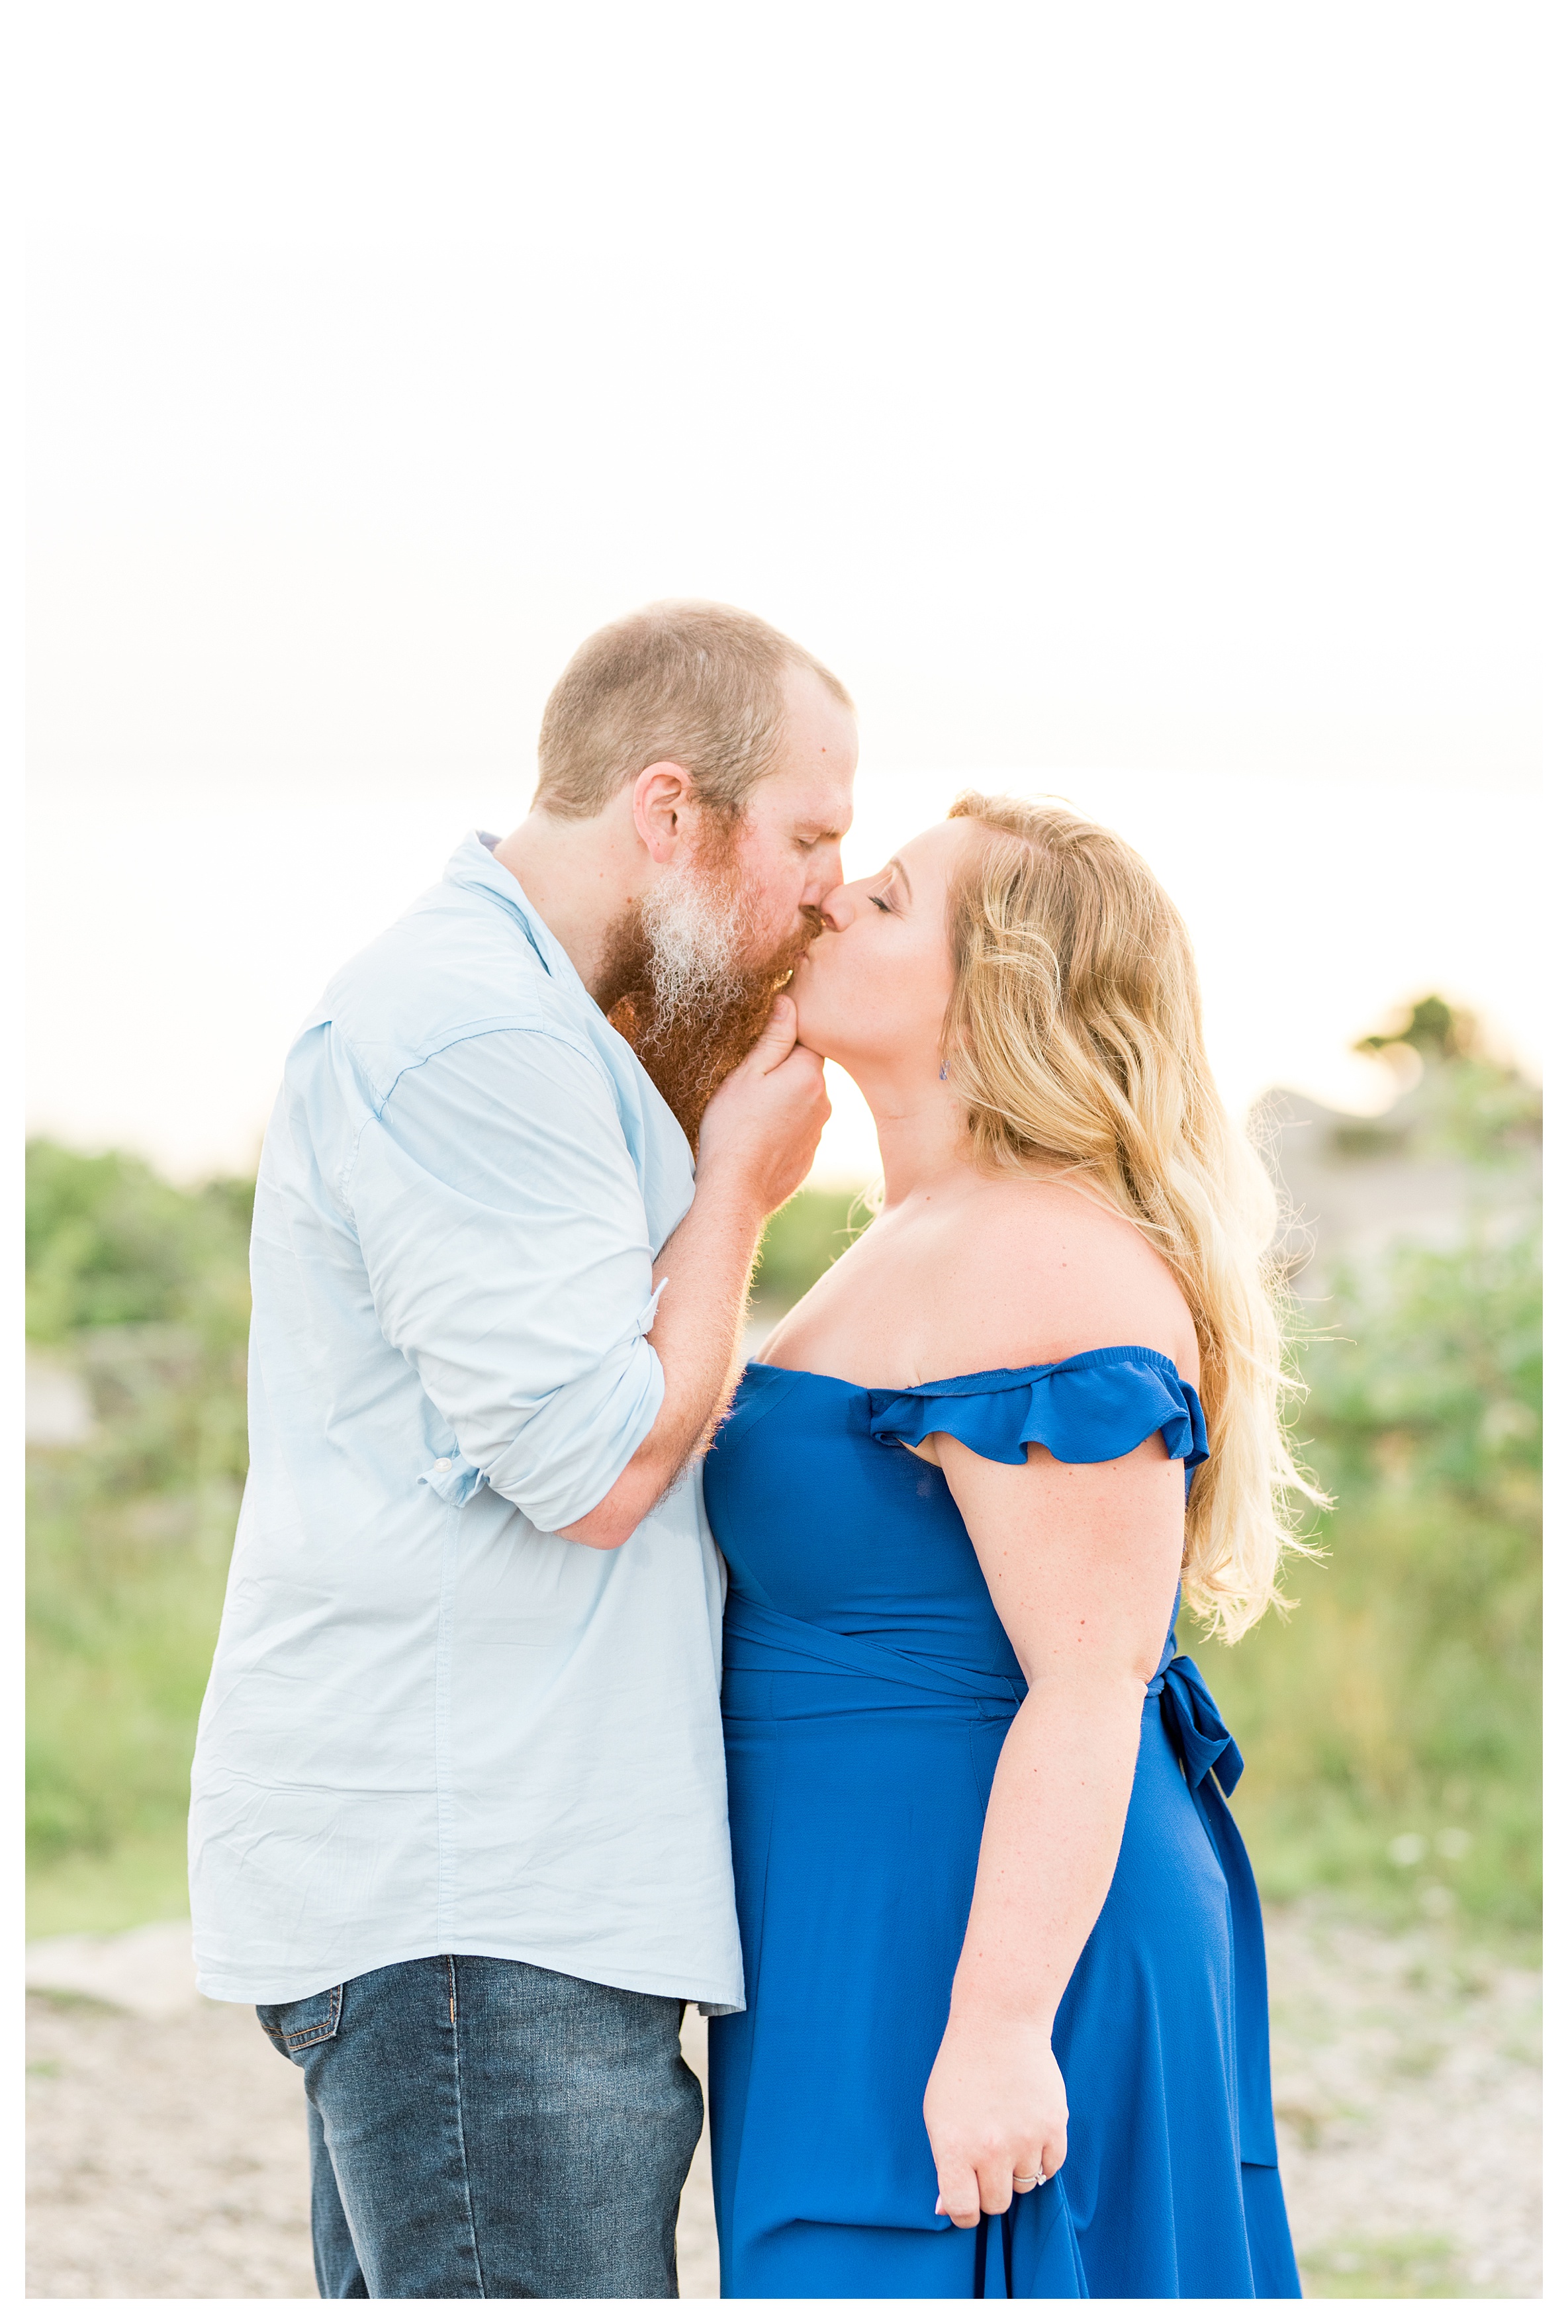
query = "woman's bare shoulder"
x=1050 y=1270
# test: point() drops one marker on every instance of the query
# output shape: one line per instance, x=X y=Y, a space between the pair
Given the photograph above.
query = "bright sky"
x=1128 y=401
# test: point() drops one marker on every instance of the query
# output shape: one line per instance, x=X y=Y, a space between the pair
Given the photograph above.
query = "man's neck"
x=580 y=877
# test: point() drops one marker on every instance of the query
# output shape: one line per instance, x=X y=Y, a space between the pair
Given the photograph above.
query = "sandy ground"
x=1408 y=2096
x=166 y=2145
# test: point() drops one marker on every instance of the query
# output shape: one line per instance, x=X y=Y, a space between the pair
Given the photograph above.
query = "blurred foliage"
x=109 y=1243
x=802 y=1241
x=1432 y=1027
x=1461 y=1103
x=145 y=1291
x=1401 y=2267
x=1390 y=1723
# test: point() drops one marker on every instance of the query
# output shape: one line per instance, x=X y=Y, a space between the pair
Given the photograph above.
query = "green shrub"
x=1397 y=1709
x=144 y=1289
x=109 y=1243
x=1392 y=1722
x=802 y=1241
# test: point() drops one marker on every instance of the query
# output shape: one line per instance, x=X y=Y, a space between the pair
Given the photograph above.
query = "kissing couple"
x=571 y=1674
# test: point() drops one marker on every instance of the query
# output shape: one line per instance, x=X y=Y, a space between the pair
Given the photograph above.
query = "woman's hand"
x=995 y=2109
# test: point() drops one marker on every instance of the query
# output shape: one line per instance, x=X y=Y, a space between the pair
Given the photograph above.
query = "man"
x=459 y=1821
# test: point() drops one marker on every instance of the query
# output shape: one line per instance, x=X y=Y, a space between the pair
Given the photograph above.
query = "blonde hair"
x=1074 y=1036
x=701 y=685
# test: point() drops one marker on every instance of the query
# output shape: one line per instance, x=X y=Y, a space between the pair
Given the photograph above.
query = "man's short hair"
x=702 y=685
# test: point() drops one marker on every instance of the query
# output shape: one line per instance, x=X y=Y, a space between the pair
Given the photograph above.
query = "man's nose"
x=826 y=876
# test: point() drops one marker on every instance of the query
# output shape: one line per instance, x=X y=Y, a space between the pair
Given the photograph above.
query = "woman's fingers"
x=996 y=2190
x=959 y=2200
x=996 y=2115
x=989 y=2185
x=1044 y=2165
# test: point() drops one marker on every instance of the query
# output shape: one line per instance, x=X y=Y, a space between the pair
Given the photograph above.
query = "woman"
x=984 y=1872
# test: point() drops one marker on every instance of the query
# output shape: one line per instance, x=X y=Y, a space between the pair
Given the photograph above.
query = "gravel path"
x=166 y=2150
x=166 y=2138
x=1408 y=2095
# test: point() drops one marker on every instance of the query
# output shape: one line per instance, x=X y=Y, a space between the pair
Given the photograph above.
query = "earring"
x=943 y=1075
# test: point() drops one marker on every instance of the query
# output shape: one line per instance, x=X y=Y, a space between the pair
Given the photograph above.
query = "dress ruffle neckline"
x=1092 y=1406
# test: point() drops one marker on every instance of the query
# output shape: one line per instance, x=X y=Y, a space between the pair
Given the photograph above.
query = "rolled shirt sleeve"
x=505 y=1234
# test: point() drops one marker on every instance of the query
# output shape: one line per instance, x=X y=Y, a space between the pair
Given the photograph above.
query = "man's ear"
x=664 y=807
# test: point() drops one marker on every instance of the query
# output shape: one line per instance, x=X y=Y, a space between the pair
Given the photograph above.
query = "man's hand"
x=755 y=1146
x=763 y=1124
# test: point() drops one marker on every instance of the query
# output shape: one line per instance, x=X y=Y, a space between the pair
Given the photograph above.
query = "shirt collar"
x=473 y=866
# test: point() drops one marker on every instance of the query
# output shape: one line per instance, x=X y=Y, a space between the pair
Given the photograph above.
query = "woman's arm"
x=1082 y=1564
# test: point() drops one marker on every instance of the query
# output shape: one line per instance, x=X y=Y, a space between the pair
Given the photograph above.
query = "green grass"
x=803 y=1239
x=92 y=1893
x=126 y=1587
x=145 y=1289
x=1391 y=1722
x=1407 y=2267
x=1390 y=1725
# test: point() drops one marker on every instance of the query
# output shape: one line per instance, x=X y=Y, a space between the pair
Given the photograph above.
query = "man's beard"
x=683 y=984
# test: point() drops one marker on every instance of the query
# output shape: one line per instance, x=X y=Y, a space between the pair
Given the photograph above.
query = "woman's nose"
x=837 y=908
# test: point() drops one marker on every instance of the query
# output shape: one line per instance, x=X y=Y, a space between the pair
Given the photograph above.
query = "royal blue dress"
x=868 y=1689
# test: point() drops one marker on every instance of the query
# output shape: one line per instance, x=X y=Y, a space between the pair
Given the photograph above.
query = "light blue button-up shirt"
x=433 y=1725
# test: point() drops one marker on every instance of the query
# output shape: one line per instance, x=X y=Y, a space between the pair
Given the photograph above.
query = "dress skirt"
x=859 y=1779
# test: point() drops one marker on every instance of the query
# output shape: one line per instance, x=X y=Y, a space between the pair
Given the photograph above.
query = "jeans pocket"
x=291 y=2027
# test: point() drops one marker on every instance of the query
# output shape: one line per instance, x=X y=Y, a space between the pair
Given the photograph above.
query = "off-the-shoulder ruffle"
x=1092 y=1406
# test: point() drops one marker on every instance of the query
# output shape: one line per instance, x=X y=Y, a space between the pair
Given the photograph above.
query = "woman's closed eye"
x=886 y=897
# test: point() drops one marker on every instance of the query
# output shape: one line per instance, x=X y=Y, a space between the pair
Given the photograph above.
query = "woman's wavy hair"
x=1075 y=1036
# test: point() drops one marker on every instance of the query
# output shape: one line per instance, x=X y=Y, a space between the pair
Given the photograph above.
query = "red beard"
x=688 y=1048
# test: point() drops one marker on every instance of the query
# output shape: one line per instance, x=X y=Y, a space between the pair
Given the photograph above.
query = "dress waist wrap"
x=758 y=1638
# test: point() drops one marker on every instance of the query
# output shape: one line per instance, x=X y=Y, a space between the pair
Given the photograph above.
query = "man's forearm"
x=756 y=1142
x=706 y=1265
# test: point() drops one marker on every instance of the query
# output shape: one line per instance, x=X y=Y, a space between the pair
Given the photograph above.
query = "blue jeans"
x=485 y=2130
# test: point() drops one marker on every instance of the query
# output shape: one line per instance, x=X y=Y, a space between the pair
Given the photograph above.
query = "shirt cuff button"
x=443 y=1464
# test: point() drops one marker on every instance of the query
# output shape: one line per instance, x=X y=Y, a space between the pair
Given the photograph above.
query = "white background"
x=1129 y=401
